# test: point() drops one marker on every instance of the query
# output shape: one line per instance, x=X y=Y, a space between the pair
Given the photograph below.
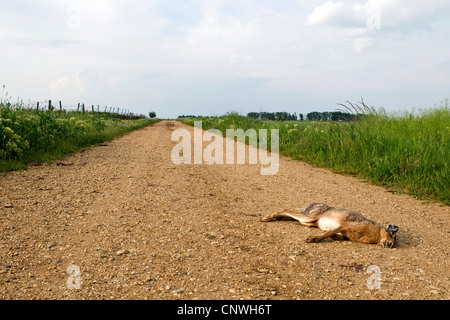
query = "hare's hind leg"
x=289 y=215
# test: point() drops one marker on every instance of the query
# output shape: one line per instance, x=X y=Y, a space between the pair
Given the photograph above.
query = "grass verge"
x=27 y=136
x=406 y=152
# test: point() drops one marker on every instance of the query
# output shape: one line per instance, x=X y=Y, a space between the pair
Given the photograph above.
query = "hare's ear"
x=392 y=229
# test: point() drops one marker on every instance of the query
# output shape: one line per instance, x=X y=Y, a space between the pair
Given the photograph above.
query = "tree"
x=253 y=115
x=314 y=116
x=152 y=114
x=273 y=116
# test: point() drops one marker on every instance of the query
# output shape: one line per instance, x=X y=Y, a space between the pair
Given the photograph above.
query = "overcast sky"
x=209 y=57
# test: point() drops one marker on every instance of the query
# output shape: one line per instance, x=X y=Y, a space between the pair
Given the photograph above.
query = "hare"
x=339 y=224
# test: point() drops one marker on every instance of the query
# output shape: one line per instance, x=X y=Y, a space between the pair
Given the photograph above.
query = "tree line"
x=312 y=116
x=331 y=116
x=286 y=116
x=274 y=116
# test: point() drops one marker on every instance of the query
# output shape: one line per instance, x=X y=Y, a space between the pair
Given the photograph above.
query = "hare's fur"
x=339 y=224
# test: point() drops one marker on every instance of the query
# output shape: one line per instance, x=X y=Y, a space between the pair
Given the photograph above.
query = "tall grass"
x=28 y=136
x=407 y=152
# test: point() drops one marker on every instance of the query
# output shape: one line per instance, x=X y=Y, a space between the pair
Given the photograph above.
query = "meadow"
x=406 y=152
x=30 y=136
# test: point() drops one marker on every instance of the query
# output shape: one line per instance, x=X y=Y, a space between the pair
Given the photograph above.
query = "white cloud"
x=393 y=15
x=373 y=21
x=85 y=84
x=62 y=86
x=91 y=82
x=326 y=13
x=360 y=44
x=236 y=58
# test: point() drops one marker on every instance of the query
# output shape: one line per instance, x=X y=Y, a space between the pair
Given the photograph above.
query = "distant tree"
x=326 y=116
x=331 y=116
x=253 y=115
x=273 y=116
x=314 y=116
x=152 y=114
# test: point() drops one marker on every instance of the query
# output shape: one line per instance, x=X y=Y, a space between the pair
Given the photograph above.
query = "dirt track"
x=140 y=227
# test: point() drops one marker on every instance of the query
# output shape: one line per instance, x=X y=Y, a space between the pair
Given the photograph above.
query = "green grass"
x=406 y=152
x=28 y=136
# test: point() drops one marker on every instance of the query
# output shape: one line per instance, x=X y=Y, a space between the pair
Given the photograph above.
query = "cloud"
x=391 y=15
x=91 y=82
x=360 y=44
x=46 y=43
x=366 y=24
x=87 y=83
x=327 y=13
x=236 y=58
x=61 y=86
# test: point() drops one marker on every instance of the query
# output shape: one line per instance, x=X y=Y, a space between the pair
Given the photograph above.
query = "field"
x=406 y=152
x=30 y=136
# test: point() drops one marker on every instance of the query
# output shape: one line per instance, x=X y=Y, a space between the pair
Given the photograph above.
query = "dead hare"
x=339 y=224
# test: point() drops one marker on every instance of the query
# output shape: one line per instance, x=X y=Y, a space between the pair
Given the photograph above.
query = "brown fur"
x=339 y=224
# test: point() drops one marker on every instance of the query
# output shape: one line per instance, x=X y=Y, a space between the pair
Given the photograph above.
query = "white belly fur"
x=327 y=224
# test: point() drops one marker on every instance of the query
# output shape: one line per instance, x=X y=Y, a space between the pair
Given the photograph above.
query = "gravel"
x=139 y=227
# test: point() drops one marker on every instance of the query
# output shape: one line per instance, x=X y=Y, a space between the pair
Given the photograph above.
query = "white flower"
x=8 y=131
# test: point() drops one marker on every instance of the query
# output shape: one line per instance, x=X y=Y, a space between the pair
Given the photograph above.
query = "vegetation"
x=407 y=152
x=28 y=136
x=275 y=116
x=312 y=116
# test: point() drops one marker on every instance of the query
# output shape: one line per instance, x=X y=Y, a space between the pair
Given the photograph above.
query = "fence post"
x=37 y=107
x=49 y=105
x=60 y=106
x=93 y=111
x=78 y=109
x=83 y=108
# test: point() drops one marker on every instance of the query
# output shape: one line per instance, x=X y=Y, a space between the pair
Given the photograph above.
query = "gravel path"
x=133 y=225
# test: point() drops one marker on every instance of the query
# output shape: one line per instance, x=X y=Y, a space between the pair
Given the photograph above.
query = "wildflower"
x=11 y=146
x=8 y=131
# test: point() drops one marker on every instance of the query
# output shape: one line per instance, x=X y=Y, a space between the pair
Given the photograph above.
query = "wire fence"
x=49 y=105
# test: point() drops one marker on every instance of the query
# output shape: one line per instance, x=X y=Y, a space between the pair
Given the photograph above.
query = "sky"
x=210 y=57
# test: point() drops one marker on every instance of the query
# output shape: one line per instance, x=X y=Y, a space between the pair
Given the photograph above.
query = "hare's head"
x=388 y=237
